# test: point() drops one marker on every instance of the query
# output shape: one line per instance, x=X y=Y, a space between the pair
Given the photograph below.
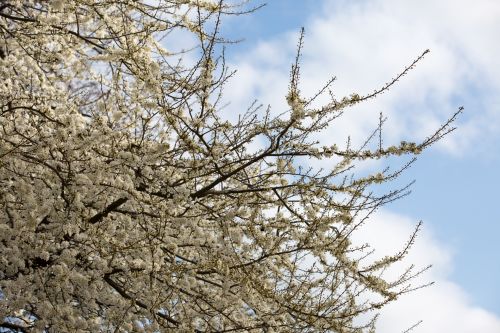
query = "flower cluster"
x=128 y=204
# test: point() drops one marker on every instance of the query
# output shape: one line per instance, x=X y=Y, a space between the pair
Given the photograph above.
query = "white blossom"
x=128 y=203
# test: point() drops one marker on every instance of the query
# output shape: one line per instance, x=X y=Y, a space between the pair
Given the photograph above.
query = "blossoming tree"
x=129 y=204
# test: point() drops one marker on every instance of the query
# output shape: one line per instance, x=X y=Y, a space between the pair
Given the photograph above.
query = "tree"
x=129 y=204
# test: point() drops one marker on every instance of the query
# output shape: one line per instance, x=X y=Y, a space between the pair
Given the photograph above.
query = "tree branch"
x=112 y=207
x=12 y=326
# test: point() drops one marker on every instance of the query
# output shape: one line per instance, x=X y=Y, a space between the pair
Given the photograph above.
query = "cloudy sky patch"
x=365 y=44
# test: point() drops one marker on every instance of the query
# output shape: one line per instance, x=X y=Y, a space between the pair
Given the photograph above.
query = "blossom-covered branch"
x=129 y=204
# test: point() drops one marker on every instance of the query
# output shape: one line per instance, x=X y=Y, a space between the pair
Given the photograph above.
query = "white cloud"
x=365 y=43
x=444 y=306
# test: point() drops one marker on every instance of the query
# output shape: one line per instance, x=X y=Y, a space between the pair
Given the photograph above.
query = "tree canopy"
x=130 y=204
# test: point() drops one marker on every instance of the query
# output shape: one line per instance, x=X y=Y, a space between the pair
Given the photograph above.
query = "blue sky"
x=364 y=44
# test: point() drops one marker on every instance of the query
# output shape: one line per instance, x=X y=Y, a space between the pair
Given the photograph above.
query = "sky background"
x=364 y=44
